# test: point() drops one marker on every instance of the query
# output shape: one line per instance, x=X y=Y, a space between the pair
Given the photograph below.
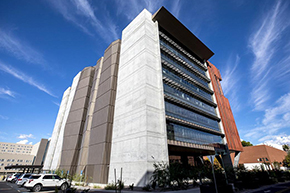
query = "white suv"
x=38 y=181
x=22 y=179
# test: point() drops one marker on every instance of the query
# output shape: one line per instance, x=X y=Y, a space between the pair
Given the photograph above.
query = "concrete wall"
x=139 y=132
x=76 y=120
x=41 y=152
x=102 y=122
x=56 y=131
x=84 y=150
x=57 y=154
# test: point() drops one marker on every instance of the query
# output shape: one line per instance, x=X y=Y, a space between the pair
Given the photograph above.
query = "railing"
x=186 y=84
x=174 y=51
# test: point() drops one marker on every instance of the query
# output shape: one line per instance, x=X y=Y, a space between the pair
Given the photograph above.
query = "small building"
x=262 y=156
x=12 y=154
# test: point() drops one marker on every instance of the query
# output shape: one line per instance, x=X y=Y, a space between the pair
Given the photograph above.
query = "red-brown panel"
x=251 y=154
x=228 y=121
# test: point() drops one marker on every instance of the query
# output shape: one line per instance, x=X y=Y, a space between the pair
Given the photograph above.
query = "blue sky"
x=44 y=44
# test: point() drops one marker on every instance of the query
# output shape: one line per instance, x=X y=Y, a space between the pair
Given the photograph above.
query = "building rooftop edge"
x=173 y=26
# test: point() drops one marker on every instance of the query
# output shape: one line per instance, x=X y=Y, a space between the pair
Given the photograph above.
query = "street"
x=275 y=188
x=7 y=187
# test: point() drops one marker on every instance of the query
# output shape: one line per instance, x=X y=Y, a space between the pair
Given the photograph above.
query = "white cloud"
x=56 y=103
x=230 y=82
x=176 y=7
x=19 y=49
x=25 y=141
x=264 y=45
x=275 y=119
x=131 y=8
x=30 y=143
x=25 y=136
x=276 y=140
x=273 y=144
x=82 y=14
x=6 y=92
x=25 y=78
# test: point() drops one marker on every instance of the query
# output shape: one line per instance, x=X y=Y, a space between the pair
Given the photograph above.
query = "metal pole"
x=115 y=180
x=216 y=190
x=121 y=180
x=224 y=169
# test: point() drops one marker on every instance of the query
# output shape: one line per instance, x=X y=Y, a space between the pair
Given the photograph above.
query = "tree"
x=285 y=147
x=286 y=161
x=246 y=143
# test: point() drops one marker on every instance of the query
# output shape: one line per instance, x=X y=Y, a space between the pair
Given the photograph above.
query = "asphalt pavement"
x=7 y=187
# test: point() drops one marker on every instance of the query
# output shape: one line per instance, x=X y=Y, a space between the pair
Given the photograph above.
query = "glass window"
x=34 y=177
x=187 y=115
x=173 y=62
x=188 y=99
x=181 y=56
x=186 y=84
x=47 y=177
x=181 y=133
x=27 y=175
x=56 y=177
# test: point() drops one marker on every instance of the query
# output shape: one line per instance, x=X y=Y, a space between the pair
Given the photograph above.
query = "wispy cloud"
x=20 y=49
x=275 y=119
x=176 y=7
x=4 y=118
x=264 y=45
x=82 y=14
x=230 y=81
x=25 y=136
x=23 y=77
x=131 y=8
x=56 y=103
x=7 y=92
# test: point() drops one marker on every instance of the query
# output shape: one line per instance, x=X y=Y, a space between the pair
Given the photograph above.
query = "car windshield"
x=34 y=177
x=21 y=176
x=26 y=175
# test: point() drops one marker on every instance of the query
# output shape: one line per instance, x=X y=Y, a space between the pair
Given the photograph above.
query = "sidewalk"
x=192 y=190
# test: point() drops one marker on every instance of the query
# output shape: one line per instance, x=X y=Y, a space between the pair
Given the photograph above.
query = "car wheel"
x=23 y=184
x=63 y=186
x=36 y=188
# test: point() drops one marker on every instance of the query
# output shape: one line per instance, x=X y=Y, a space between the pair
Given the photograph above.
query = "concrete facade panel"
x=99 y=134
x=79 y=103
x=59 y=146
x=82 y=92
x=56 y=130
x=85 y=81
x=74 y=128
x=140 y=67
x=86 y=72
x=77 y=115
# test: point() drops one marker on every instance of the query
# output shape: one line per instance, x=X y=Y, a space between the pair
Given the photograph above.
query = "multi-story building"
x=21 y=154
x=152 y=97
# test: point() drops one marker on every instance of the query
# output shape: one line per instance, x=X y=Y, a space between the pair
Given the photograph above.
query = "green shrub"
x=111 y=186
x=146 y=188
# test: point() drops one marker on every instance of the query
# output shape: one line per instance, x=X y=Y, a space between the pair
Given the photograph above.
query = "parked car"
x=22 y=179
x=38 y=181
x=14 y=180
x=12 y=177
